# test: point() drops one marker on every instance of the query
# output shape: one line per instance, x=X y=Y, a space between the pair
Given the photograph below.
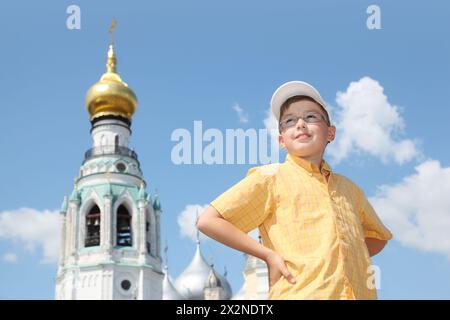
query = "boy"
x=317 y=227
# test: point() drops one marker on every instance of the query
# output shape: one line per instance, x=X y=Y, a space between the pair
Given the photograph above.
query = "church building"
x=111 y=239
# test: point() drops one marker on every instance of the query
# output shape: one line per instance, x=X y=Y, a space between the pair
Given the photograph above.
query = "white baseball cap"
x=291 y=89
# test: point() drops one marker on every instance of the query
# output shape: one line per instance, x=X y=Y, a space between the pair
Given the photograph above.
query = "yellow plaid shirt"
x=317 y=226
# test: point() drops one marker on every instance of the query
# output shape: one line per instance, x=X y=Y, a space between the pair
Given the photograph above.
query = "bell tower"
x=110 y=243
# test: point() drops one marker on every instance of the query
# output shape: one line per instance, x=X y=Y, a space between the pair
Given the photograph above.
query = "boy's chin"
x=303 y=152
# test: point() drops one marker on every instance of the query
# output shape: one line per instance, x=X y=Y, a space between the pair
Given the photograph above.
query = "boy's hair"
x=294 y=99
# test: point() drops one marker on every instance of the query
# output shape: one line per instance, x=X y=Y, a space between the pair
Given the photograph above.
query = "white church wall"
x=105 y=132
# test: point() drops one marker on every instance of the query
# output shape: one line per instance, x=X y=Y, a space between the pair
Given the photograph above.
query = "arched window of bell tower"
x=92 y=233
x=124 y=235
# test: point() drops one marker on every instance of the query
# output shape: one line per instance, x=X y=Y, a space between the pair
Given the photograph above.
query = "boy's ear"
x=281 y=141
x=331 y=133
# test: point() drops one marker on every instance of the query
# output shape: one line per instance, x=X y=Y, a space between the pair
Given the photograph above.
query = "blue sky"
x=196 y=60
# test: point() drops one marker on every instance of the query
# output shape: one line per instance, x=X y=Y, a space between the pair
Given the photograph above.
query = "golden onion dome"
x=111 y=95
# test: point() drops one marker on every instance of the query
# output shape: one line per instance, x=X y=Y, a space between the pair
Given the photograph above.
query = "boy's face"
x=306 y=140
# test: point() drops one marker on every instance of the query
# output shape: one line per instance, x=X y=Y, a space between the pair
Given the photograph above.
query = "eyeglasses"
x=309 y=117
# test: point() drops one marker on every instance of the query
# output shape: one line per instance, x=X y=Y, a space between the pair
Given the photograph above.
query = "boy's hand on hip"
x=277 y=268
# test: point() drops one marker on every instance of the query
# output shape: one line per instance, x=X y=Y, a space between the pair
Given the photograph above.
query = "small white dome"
x=168 y=290
x=191 y=282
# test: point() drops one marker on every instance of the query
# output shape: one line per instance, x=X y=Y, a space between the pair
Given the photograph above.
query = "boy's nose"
x=301 y=123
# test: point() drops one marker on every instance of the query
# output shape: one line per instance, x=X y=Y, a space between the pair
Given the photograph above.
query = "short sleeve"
x=247 y=203
x=372 y=225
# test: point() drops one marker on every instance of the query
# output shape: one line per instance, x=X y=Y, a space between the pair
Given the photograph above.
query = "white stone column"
x=139 y=294
x=106 y=225
x=74 y=221
x=68 y=235
x=141 y=233
x=62 y=248
x=158 y=233
x=107 y=291
x=153 y=233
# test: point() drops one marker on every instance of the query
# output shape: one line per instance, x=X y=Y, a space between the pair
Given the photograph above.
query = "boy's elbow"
x=201 y=223
x=204 y=220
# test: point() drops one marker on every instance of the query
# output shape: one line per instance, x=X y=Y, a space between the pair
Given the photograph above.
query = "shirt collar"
x=308 y=166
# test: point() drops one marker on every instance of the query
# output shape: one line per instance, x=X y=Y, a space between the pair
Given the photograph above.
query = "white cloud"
x=417 y=209
x=10 y=257
x=34 y=229
x=187 y=221
x=243 y=117
x=368 y=123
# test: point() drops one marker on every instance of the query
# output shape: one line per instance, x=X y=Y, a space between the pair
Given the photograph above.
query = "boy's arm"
x=375 y=245
x=215 y=226
x=376 y=234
